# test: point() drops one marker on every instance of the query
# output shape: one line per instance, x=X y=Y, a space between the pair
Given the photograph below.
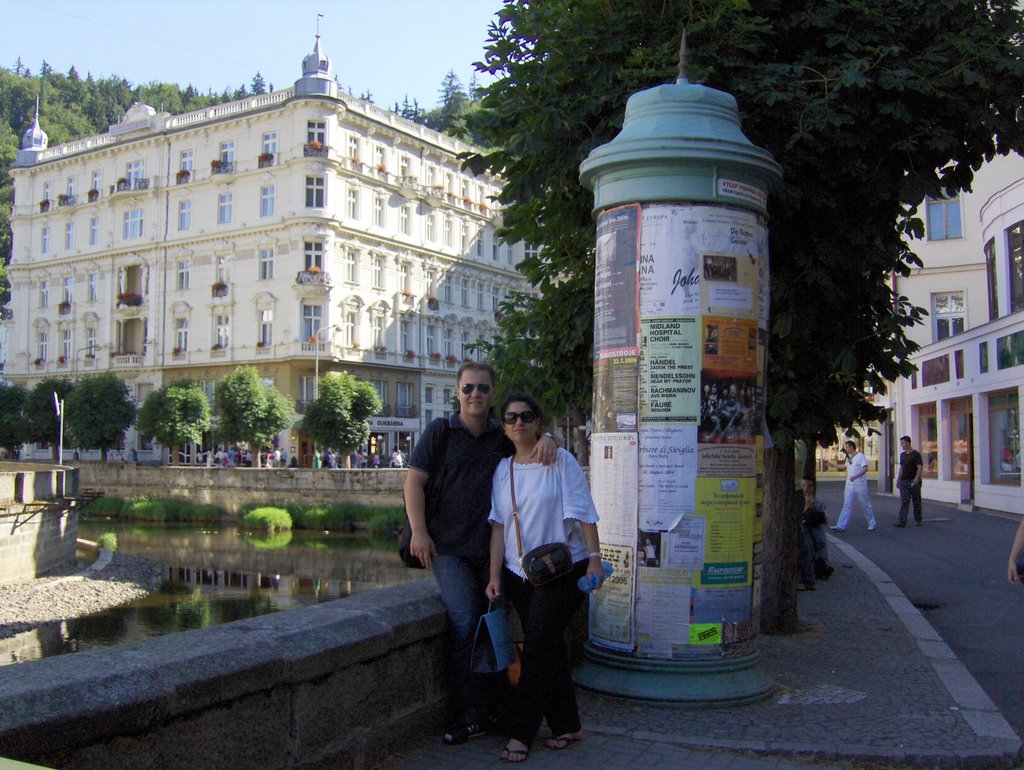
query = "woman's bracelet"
x=596 y=554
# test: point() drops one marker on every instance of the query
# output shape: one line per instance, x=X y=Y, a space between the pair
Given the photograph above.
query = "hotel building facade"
x=302 y=232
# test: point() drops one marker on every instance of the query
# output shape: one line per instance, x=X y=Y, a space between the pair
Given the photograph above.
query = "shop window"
x=928 y=436
x=960 y=426
x=1004 y=437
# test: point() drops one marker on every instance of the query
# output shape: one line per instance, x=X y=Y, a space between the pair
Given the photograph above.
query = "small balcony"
x=64 y=308
x=218 y=351
x=265 y=160
x=313 y=277
x=129 y=299
x=405 y=410
x=125 y=359
x=67 y=200
x=222 y=167
x=44 y=205
x=135 y=184
x=93 y=195
x=6 y=314
x=263 y=349
x=314 y=150
x=219 y=289
x=184 y=176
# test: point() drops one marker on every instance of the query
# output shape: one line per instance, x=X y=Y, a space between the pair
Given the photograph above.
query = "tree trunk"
x=780 y=527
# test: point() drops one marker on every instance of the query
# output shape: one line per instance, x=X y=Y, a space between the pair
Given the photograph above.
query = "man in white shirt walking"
x=856 y=489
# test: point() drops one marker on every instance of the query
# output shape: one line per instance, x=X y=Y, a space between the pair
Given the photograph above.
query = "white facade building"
x=300 y=231
x=962 y=407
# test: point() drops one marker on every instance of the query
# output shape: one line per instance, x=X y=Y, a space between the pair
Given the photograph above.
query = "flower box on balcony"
x=355 y=345
x=39 y=361
x=315 y=145
x=380 y=348
x=408 y=294
x=129 y=298
x=467 y=202
x=66 y=200
x=64 y=307
x=177 y=351
x=451 y=359
x=214 y=165
x=433 y=303
x=217 y=346
x=265 y=159
x=382 y=168
x=122 y=184
x=435 y=356
x=183 y=176
x=61 y=360
x=219 y=289
x=410 y=354
x=44 y=205
x=90 y=356
x=261 y=344
x=313 y=269
x=355 y=161
x=312 y=339
x=93 y=195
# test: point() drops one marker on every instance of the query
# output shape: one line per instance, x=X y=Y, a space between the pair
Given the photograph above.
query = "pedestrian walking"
x=909 y=481
x=856 y=492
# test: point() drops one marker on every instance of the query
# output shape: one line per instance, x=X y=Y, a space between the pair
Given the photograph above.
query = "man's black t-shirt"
x=459 y=526
x=909 y=463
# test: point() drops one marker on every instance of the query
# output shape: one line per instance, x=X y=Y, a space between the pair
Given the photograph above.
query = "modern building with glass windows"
x=962 y=406
x=302 y=231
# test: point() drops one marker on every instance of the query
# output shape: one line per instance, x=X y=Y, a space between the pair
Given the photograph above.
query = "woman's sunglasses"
x=526 y=417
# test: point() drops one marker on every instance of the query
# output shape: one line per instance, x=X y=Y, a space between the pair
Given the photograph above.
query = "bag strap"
x=515 y=508
x=436 y=480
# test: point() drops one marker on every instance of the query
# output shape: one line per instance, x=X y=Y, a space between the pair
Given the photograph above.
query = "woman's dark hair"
x=526 y=399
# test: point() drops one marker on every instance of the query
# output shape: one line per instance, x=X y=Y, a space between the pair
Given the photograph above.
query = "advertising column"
x=680 y=328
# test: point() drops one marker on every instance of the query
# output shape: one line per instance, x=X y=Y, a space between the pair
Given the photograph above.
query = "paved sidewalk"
x=870 y=684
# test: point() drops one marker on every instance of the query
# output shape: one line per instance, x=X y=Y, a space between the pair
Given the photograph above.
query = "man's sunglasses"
x=527 y=417
x=483 y=387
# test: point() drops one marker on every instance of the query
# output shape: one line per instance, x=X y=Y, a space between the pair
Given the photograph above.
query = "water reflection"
x=217 y=575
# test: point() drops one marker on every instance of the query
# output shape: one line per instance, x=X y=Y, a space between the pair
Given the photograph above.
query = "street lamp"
x=92 y=351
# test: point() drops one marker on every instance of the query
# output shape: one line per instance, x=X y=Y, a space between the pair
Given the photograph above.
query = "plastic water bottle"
x=587 y=583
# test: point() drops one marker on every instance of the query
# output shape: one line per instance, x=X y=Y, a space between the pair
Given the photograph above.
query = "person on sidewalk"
x=909 y=481
x=456 y=542
x=1013 y=573
x=813 y=517
x=856 y=492
x=532 y=505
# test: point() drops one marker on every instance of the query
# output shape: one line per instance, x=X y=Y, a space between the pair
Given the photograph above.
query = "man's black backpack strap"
x=431 y=493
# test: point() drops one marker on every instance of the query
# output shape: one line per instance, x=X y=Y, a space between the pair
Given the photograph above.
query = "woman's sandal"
x=564 y=741
x=514 y=756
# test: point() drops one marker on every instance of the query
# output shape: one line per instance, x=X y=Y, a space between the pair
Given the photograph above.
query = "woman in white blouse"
x=554 y=505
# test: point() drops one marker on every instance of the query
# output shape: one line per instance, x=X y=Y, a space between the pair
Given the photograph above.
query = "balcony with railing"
x=64 y=308
x=405 y=410
x=125 y=359
x=135 y=184
x=93 y=195
x=129 y=299
x=222 y=167
x=315 y=150
x=218 y=351
x=6 y=314
x=263 y=349
x=67 y=200
x=44 y=205
x=313 y=277
x=184 y=176
x=219 y=289
x=265 y=160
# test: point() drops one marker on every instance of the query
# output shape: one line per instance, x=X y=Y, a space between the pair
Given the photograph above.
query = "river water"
x=218 y=574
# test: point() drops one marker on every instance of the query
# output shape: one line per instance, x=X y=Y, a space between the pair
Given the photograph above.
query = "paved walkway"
x=870 y=684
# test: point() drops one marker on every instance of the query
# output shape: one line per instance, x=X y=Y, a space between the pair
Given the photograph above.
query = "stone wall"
x=233 y=487
x=34 y=541
x=340 y=684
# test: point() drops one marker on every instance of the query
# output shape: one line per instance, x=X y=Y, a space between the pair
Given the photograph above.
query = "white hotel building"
x=300 y=231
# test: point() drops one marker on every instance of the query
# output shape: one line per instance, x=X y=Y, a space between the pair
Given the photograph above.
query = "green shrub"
x=107 y=540
x=146 y=509
x=207 y=512
x=104 y=507
x=267 y=518
x=386 y=521
x=308 y=516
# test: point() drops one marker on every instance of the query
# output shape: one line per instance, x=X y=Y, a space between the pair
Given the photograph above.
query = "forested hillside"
x=72 y=107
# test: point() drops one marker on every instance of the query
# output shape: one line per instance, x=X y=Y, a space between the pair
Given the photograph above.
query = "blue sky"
x=387 y=47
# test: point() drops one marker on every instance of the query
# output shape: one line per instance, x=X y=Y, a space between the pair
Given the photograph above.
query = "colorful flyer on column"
x=728 y=506
x=615 y=393
x=670 y=266
x=730 y=262
x=611 y=606
x=614 y=473
x=668 y=472
x=615 y=282
x=730 y=344
x=670 y=365
x=728 y=407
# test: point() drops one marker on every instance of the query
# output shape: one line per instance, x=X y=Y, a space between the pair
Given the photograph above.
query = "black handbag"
x=431 y=495
x=545 y=562
x=814 y=517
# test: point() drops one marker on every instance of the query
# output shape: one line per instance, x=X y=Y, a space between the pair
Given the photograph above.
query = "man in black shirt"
x=909 y=481
x=456 y=541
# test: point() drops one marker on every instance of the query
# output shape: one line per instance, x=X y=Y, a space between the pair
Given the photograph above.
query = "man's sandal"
x=513 y=756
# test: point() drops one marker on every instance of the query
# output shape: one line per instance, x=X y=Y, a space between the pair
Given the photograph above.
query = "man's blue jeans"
x=462 y=582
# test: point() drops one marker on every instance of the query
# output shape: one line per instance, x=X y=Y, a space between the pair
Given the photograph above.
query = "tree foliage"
x=249 y=410
x=337 y=418
x=176 y=414
x=869 y=106
x=41 y=421
x=98 y=410
x=12 y=419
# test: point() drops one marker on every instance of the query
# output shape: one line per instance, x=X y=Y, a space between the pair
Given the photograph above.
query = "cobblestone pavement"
x=869 y=684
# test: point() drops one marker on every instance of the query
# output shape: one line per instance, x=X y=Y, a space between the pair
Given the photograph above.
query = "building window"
x=464 y=352
x=447 y=231
x=184 y=276
x=227 y=154
x=1004 y=437
x=42 y=345
x=90 y=341
x=377 y=326
x=431 y=339
x=224 y=205
x=530 y=251
x=135 y=171
x=94 y=231
x=69 y=236
x=406 y=276
x=270 y=143
x=316 y=131
x=405 y=334
x=267 y=200
x=378 y=210
x=350 y=328
x=432 y=227
x=960 y=424
x=222 y=324
x=446 y=288
x=464 y=292
x=403 y=399
x=947 y=314
x=312 y=317
x=478 y=242
x=353 y=147
x=381 y=386
x=68 y=294
x=944 y=219
x=47 y=191
x=449 y=342
x=479 y=295
x=314 y=251
x=353 y=203
x=377 y=271
x=380 y=156
x=464 y=237
x=44 y=294
x=1010 y=350
x=67 y=344
x=403 y=166
x=404 y=221
x=315 y=190
x=181 y=334
x=1015 y=255
x=428 y=394
x=266 y=264
x=983 y=357
x=266 y=330
x=72 y=186
x=351 y=257
x=993 y=284
x=92 y=285
x=133 y=224
x=97 y=180
x=186 y=161
x=44 y=247
x=184 y=215
x=928 y=437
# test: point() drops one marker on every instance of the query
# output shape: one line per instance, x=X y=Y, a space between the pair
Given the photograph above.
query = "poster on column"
x=670 y=267
x=668 y=472
x=615 y=393
x=662 y=612
x=729 y=345
x=670 y=370
x=684 y=545
x=614 y=463
x=728 y=506
x=729 y=411
x=730 y=259
x=611 y=606
x=615 y=282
